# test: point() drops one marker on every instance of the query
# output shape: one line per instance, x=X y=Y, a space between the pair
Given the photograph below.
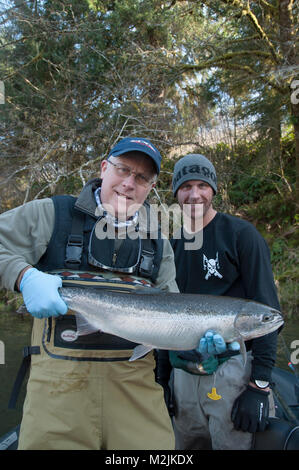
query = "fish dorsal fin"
x=140 y=351
x=83 y=326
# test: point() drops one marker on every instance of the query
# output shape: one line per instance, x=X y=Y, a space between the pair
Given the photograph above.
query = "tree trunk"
x=290 y=59
x=295 y=119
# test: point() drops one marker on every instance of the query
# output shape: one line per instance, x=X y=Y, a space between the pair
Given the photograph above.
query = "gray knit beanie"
x=194 y=167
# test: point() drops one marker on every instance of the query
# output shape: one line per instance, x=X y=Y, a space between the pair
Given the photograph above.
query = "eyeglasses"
x=124 y=172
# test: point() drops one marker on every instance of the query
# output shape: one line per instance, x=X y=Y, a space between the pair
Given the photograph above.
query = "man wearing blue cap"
x=225 y=403
x=84 y=393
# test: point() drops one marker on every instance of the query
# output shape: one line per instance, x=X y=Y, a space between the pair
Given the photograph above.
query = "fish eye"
x=267 y=317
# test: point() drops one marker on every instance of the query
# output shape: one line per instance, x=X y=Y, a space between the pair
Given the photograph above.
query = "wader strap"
x=74 y=245
x=27 y=352
x=162 y=376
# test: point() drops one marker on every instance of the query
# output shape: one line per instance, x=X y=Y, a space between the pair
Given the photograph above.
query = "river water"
x=15 y=333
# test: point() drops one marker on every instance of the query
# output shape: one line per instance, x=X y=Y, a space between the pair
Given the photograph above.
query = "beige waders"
x=76 y=404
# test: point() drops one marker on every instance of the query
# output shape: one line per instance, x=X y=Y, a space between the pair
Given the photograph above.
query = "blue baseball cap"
x=137 y=144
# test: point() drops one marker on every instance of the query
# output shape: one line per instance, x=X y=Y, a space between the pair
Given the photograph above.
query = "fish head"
x=256 y=319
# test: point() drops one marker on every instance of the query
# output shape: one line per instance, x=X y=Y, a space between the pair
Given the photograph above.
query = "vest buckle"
x=74 y=250
x=146 y=265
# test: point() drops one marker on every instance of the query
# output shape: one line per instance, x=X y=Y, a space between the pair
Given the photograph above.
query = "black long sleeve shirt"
x=234 y=260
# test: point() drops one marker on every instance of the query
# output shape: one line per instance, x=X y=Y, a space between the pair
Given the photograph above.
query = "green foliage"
x=285 y=262
x=9 y=301
x=249 y=189
x=263 y=192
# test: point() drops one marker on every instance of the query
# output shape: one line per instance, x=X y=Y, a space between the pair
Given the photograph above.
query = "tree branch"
x=35 y=59
x=246 y=11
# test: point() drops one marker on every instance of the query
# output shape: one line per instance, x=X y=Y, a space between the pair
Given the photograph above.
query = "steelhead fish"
x=170 y=321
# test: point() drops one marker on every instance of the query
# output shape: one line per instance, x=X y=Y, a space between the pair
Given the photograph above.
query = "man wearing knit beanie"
x=194 y=167
x=192 y=172
x=223 y=403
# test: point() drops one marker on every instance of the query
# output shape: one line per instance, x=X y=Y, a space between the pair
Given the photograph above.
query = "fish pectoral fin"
x=83 y=326
x=140 y=351
x=242 y=349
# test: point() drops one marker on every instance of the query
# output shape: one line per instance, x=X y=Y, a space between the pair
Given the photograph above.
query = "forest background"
x=219 y=78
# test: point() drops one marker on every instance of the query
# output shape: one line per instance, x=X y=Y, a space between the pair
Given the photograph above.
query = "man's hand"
x=193 y=363
x=250 y=411
x=40 y=294
x=213 y=343
x=204 y=359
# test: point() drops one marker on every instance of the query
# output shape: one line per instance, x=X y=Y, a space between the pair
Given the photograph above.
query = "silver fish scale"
x=167 y=320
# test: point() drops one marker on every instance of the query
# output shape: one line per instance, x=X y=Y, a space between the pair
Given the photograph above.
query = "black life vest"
x=68 y=246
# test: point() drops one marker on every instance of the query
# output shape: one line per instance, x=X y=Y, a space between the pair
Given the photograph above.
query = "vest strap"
x=74 y=247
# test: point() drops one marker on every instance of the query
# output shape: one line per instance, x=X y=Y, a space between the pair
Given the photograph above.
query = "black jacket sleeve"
x=258 y=281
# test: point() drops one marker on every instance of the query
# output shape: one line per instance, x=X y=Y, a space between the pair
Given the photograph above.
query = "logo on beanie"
x=203 y=171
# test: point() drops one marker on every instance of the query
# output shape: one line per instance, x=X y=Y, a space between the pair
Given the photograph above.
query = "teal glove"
x=196 y=366
x=213 y=343
x=40 y=294
x=211 y=352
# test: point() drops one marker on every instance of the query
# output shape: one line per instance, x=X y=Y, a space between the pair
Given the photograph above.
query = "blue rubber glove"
x=40 y=294
x=213 y=343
